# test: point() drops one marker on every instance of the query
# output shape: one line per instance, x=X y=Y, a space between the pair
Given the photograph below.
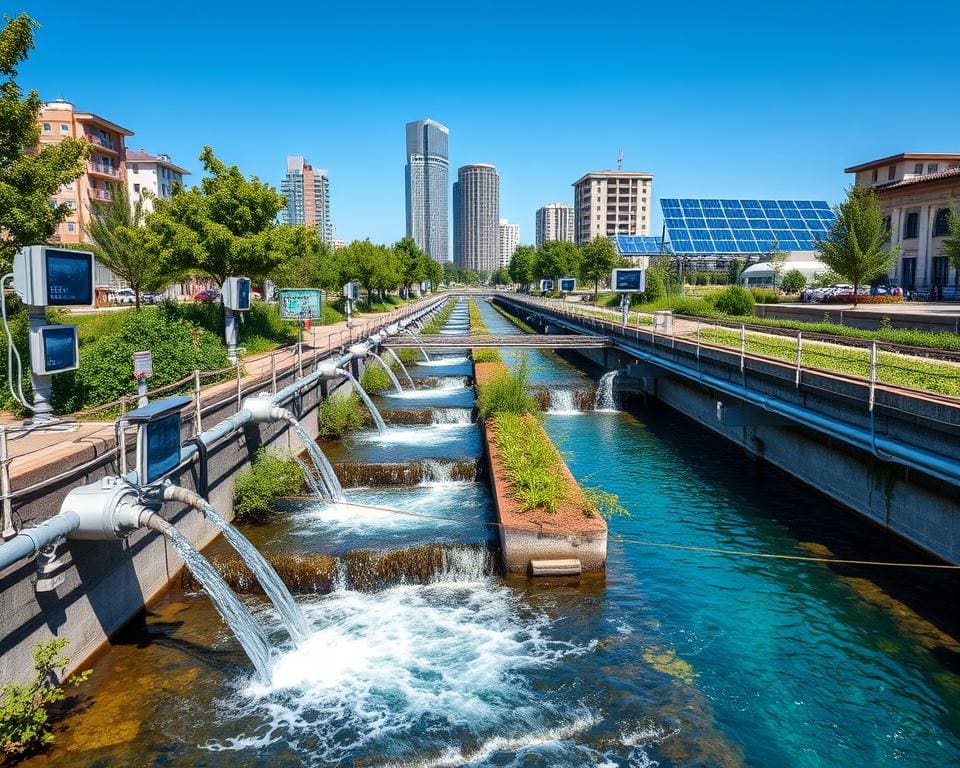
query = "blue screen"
x=243 y=294
x=163 y=446
x=567 y=285
x=59 y=351
x=629 y=280
x=69 y=277
x=547 y=285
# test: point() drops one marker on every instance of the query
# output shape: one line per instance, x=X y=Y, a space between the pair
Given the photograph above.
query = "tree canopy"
x=951 y=244
x=599 y=257
x=29 y=177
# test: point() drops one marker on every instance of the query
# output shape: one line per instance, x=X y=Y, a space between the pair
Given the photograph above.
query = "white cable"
x=12 y=351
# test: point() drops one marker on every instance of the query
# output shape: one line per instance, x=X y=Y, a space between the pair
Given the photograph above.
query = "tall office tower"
x=308 y=197
x=610 y=203
x=509 y=240
x=554 y=222
x=476 y=218
x=427 y=176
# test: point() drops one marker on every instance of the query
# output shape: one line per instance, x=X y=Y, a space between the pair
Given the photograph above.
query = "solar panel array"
x=745 y=226
x=634 y=245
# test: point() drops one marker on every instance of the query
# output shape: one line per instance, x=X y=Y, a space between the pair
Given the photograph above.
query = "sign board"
x=54 y=277
x=546 y=285
x=628 y=280
x=300 y=303
x=568 y=284
x=351 y=291
x=161 y=448
x=54 y=349
x=142 y=365
x=236 y=293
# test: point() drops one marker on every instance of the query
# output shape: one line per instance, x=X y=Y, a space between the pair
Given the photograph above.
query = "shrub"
x=793 y=281
x=507 y=393
x=408 y=355
x=765 y=295
x=23 y=708
x=374 y=378
x=734 y=300
x=268 y=478
x=530 y=461
x=339 y=414
x=486 y=355
x=654 y=290
x=258 y=330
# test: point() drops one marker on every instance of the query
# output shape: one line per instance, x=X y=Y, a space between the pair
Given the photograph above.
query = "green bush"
x=23 y=708
x=268 y=478
x=765 y=295
x=374 y=378
x=507 y=393
x=258 y=330
x=408 y=355
x=531 y=463
x=734 y=300
x=654 y=290
x=793 y=281
x=339 y=414
x=486 y=355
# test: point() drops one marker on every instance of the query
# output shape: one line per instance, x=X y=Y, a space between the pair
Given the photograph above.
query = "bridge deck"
x=524 y=340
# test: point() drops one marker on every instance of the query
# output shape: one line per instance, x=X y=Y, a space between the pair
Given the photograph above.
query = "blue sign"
x=628 y=280
x=59 y=348
x=546 y=285
x=568 y=284
x=300 y=303
x=162 y=447
x=69 y=277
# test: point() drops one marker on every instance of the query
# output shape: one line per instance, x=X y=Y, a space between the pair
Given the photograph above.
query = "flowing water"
x=413 y=335
x=320 y=462
x=606 y=399
x=562 y=403
x=402 y=367
x=675 y=658
x=290 y=614
x=390 y=373
x=310 y=476
x=374 y=413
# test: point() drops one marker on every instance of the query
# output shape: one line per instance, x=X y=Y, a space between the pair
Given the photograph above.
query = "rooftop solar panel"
x=711 y=226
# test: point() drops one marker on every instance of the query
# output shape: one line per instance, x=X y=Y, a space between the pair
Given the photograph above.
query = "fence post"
x=239 y=388
x=197 y=413
x=122 y=446
x=799 y=358
x=873 y=372
x=273 y=372
x=698 y=341
x=299 y=359
x=743 y=346
x=314 y=343
x=8 y=530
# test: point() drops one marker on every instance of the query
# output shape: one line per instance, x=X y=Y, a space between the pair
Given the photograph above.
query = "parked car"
x=209 y=294
x=123 y=296
x=151 y=298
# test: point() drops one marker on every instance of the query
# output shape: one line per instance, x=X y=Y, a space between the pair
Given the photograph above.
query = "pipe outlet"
x=106 y=510
x=359 y=350
x=262 y=410
x=393 y=330
x=329 y=371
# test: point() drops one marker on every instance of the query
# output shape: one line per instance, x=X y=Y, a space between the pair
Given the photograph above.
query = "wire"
x=657 y=544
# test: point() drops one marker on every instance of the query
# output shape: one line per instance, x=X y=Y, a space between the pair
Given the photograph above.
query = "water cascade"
x=377 y=418
x=320 y=463
x=393 y=379
x=605 y=400
x=562 y=402
x=310 y=476
x=228 y=605
x=452 y=416
x=412 y=335
x=402 y=367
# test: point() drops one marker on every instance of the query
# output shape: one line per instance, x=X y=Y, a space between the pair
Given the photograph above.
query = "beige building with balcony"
x=152 y=176
x=916 y=193
x=608 y=203
x=105 y=168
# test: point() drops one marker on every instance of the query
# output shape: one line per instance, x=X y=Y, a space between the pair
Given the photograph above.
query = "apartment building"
x=554 y=222
x=916 y=192
x=104 y=170
x=307 y=190
x=427 y=173
x=154 y=175
x=476 y=218
x=609 y=203
x=509 y=240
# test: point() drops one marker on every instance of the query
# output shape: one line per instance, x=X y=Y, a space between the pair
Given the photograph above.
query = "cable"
x=12 y=351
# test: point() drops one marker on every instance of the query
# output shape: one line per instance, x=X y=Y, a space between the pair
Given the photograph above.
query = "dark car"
x=210 y=294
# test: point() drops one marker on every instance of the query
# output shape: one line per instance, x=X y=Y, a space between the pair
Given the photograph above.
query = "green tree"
x=793 y=281
x=500 y=277
x=412 y=262
x=126 y=246
x=29 y=177
x=451 y=273
x=776 y=260
x=556 y=259
x=951 y=244
x=734 y=268
x=856 y=248
x=521 y=265
x=371 y=265
x=226 y=226
x=307 y=260
x=598 y=258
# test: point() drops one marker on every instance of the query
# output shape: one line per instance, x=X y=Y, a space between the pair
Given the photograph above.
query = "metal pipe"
x=30 y=541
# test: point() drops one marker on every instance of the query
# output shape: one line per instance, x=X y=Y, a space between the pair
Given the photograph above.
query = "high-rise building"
x=427 y=177
x=554 y=222
x=509 y=240
x=476 y=218
x=155 y=174
x=104 y=170
x=308 y=197
x=608 y=203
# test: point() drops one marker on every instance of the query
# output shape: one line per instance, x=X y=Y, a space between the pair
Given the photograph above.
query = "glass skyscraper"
x=427 y=177
x=476 y=218
x=308 y=197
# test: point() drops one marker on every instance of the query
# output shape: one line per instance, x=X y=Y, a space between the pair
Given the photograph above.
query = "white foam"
x=438 y=361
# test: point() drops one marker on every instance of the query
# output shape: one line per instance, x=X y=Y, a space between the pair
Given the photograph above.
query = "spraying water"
x=228 y=605
x=412 y=335
x=562 y=402
x=377 y=418
x=321 y=464
x=393 y=379
x=402 y=368
x=605 y=399
x=308 y=474
x=273 y=586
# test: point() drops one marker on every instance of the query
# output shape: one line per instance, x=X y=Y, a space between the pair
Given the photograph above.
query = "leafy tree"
x=307 y=260
x=451 y=272
x=412 y=262
x=126 y=246
x=555 y=259
x=734 y=268
x=598 y=258
x=793 y=282
x=521 y=265
x=500 y=277
x=29 y=178
x=226 y=226
x=776 y=260
x=951 y=245
x=469 y=277
x=655 y=289
x=856 y=247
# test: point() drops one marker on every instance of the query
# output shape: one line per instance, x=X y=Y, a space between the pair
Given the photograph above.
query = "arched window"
x=941 y=223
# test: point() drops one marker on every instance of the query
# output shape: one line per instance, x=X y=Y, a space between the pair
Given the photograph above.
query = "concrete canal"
x=422 y=653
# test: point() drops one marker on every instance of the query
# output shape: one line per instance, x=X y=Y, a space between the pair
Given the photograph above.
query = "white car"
x=123 y=296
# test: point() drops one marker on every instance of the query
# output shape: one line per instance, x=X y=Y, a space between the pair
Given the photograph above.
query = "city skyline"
x=739 y=114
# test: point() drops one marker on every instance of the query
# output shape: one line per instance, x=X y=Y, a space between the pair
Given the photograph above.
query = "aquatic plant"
x=339 y=414
x=531 y=463
x=375 y=379
x=486 y=355
x=507 y=392
x=597 y=501
x=268 y=478
x=477 y=326
x=439 y=320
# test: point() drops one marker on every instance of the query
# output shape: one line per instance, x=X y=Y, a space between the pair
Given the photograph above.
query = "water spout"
x=310 y=476
x=321 y=463
x=393 y=378
x=377 y=418
x=605 y=399
x=412 y=334
x=273 y=587
x=228 y=605
x=402 y=367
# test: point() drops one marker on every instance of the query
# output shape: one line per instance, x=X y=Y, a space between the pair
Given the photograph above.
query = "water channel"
x=422 y=655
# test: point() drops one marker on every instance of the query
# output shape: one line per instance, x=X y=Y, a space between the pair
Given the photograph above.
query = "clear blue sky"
x=716 y=99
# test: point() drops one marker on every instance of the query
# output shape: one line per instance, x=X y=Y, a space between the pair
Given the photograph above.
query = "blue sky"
x=716 y=99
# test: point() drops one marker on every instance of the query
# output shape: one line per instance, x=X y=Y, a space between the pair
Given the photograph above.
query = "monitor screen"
x=243 y=294
x=568 y=284
x=59 y=348
x=163 y=446
x=546 y=285
x=69 y=277
x=629 y=280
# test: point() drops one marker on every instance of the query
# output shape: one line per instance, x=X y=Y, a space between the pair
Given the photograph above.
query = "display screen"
x=300 y=303
x=163 y=446
x=568 y=284
x=546 y=285
x=629 y=280
x=59 y=348
x=69 y=277
x=243 y=294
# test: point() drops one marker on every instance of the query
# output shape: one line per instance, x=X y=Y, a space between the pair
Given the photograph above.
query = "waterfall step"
x=567 y=567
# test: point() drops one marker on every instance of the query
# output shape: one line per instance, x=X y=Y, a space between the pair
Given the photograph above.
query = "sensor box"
x=628 y=280
x=45 y=276
x=568 y=284
x=546 y=285
x=158 y=437
x=236 y=293
x=54 y=349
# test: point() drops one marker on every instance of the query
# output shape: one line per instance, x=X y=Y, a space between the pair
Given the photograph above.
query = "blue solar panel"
x=632 y=245
x=744 y=226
